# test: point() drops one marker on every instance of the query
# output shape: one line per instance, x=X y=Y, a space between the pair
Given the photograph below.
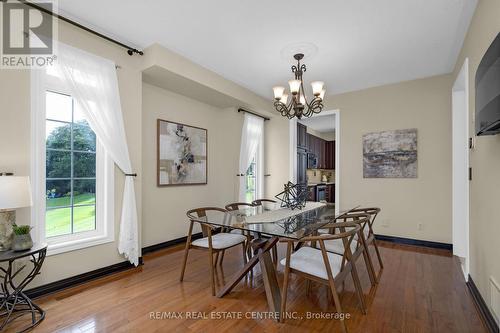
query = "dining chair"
x=322 y=266
x=259 y=202
x=358 y=246
x=237 y=206
x=368 y=230
x=211 y=241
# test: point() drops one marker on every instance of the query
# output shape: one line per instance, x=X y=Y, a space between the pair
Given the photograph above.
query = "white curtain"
x=251 y=147
x=94 y=85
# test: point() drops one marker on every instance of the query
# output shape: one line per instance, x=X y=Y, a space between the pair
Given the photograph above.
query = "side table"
x=13 y=301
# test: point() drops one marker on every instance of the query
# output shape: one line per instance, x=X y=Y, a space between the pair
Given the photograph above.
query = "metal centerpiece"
x=294 y=196
x=299 y=106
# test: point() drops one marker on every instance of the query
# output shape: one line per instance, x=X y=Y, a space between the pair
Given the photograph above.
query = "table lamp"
x=15 y=192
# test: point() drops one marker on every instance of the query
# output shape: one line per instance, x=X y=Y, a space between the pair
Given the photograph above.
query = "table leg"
x=262 y=248
x=13 y=301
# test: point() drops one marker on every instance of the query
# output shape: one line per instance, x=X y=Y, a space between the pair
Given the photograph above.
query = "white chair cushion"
x=310 y=261
x=337 y=246
x=221 y=241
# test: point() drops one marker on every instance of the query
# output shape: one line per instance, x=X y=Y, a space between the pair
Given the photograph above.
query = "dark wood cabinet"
x=330 y=155
x=301 y=166
x=301 y=136
x=322 y=154
x=330 y=193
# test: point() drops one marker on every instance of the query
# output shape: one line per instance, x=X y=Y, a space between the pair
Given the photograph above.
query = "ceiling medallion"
x=299 y=106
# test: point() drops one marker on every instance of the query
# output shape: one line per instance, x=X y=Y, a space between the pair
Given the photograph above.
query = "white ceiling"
x=360 y=43
x=323 y=123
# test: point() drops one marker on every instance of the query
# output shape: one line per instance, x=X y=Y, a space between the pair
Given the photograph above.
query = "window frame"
x=104 y=231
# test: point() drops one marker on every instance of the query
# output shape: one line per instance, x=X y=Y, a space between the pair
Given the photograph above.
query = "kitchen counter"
x=316 y=184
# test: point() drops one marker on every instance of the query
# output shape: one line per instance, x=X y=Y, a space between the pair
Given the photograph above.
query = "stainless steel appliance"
x=312 y=161
x=320 y=192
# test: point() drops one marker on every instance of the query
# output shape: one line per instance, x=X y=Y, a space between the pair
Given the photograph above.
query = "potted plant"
x=22 y=238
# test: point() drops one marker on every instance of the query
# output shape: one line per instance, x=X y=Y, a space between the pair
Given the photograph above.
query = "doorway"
x=296 y=157
x=460 y=167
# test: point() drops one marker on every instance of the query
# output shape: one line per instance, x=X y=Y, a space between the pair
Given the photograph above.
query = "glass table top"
x=272 y=220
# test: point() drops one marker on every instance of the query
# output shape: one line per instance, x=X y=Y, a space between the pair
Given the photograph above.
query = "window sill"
x=74 y=245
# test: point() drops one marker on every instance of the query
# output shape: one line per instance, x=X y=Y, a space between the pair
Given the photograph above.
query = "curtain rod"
x=255 y=114
x=130 y=50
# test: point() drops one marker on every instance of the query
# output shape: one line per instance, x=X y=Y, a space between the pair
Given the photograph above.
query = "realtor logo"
x=27 y=34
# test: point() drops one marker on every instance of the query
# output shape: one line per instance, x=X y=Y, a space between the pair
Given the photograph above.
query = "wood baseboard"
x=484 y=311
x=164 y=245
x=79 y=279
x=104 y=271
x=417 y=242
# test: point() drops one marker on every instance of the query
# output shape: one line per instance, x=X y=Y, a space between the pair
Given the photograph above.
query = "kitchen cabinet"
x=330 y=193
x=324 y=151
x=330 y=155
x=301 y=166
x=301 y=136
x=322 y=154
x=312 y=193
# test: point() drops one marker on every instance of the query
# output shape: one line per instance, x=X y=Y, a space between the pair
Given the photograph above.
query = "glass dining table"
x=268 y=223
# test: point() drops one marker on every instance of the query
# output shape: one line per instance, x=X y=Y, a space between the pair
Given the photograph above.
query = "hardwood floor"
x=420 y=290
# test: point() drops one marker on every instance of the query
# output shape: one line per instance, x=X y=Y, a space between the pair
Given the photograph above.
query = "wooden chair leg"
x=369 y=267
x=378 y=253
x=216 y=258
x=336 y=301
x=285 y=284
x=186 y=251
x=212 y=277
x=222 y=257
x=357 y=286
x=184 y=262
x=275 y=255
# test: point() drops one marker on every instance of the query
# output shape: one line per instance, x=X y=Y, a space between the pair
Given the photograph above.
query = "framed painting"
x=181 y=154
x=390 y=154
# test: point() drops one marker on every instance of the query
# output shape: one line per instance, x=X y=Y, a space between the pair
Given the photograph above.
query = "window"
x=72 y=175
x=70 y=168
x=250 y=180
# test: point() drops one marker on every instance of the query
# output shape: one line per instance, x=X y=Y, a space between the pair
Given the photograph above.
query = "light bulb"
x=284 y=98
x=322 y=94
x=278 y=92
x=294 y=86
x=317 y=87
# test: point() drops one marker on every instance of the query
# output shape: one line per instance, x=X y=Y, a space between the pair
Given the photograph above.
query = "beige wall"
x=15 y=142
x=484 y=226
x=164 y=211
x=423 y=104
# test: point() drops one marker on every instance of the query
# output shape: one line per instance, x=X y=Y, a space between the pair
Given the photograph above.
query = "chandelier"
x=299 y=106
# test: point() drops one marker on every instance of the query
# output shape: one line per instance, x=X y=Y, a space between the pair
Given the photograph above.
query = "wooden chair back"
x=192 y=214
x=238 y=206
x=372 y=212
x=259 y=202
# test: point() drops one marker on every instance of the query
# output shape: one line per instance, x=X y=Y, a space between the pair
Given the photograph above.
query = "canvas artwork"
x=390 y=154
x=182 y=154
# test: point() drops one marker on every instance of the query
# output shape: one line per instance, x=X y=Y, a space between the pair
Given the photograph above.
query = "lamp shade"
x=294 y=86
x=278 y=92
x=317 y=86
x=15 y=192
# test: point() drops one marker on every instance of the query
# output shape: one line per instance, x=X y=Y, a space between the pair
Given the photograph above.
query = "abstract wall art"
x=390 y=154
x=181 y=154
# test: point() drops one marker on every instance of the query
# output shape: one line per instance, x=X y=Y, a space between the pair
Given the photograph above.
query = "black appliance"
x=488 y=91
x=312 y=161
x=320 y=192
